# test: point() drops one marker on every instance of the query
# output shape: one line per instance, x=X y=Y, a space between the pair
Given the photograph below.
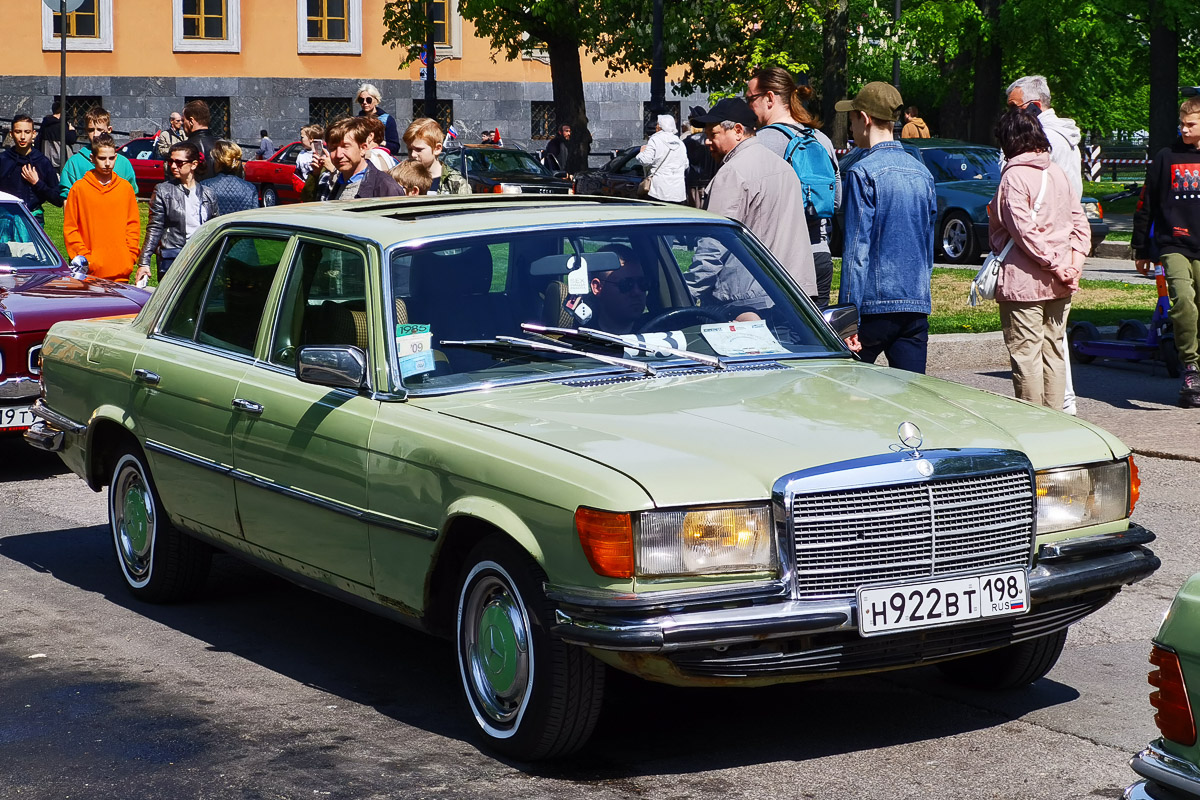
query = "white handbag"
x=983 y=287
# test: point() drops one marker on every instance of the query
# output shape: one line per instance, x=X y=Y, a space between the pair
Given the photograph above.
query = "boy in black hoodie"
x=25 y=172
x=1167 y=223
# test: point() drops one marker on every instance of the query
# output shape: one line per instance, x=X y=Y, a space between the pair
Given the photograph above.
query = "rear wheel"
x=1009 y=667
x=1133 y=330
x=958 y=238
x=1170 y=356
x=531 y=695
x=158 y=562
x=1082 y=332
x=268 y=197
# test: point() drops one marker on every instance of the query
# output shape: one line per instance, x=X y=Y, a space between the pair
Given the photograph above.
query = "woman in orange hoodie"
x=100 y=219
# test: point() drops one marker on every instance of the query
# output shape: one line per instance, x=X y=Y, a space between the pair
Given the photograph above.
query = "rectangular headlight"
x=1082 y=496
x=704 y=542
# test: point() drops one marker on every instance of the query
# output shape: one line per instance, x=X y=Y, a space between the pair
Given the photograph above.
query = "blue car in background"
x=965 y=177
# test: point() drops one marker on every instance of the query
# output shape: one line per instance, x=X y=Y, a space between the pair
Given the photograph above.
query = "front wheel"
x=531 y=695
x=268 y=197
x=1080 y=334
x=958 y=238
x=158 y=562
x=1009 y=667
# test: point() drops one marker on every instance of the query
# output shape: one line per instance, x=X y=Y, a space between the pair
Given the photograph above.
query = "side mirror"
x=843 y=319
x=339 y=367
x=560 y=174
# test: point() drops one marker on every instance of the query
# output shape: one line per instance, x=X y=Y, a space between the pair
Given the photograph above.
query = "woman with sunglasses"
x=179 y=206
x=368 y=98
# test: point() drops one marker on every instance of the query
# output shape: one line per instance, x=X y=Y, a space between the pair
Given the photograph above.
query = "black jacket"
x=1170 y=204
x=203 y=139
x=49 y=131
x=554 y=156
x=375 y=183
x=11 y=180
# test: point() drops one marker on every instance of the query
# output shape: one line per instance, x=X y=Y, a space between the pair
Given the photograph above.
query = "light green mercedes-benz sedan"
x=573 y=434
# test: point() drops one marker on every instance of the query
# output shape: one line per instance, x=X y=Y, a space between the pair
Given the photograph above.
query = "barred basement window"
x=542 y=120
x=77 y=108
x=648 y=119
x=444 y=115
x=324 y=111
x=218 y=109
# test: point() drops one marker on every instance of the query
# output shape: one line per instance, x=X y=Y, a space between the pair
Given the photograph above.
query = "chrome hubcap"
x=133 y=522
x=496 y=649
x=954 y=238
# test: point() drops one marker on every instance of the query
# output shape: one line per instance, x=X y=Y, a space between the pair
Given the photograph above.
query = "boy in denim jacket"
x=887 y=258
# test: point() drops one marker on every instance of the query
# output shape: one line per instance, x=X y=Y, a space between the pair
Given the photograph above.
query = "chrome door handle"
x=246 y=405
x=146 y=376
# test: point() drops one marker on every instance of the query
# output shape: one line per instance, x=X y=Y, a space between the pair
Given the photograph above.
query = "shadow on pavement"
x=413 y=679
x=19 y=461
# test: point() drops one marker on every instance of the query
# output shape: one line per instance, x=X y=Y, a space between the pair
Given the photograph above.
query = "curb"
x=1121 y=250
x=975 y=350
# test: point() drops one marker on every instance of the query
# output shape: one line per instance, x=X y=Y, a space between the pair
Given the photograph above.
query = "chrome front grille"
x=847 y=538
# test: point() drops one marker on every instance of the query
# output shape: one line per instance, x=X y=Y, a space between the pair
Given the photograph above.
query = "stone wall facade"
x=281 y=105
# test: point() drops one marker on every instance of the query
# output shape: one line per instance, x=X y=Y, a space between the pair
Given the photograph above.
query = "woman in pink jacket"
x=1050 y=239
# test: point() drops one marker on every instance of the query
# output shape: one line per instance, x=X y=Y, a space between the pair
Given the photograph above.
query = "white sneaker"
x=1069 y=407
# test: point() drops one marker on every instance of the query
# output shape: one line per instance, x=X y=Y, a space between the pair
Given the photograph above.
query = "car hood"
x=36 y=300
x=729 y=436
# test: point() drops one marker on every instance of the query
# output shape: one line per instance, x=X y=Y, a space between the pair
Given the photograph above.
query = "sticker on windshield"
x=414 y=349
x=577 y=277
x=673 y=339
x=741 y=338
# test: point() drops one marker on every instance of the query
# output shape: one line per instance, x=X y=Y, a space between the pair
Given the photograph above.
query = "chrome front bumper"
x=1071 y=579
x=1180 y=779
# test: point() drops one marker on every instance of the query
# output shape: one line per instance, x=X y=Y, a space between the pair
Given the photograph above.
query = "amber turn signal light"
x=607 y=539
x=1174 y=718
x=1135 y=485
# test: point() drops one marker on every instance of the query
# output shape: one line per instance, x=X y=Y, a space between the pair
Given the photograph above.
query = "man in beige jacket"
x=759 y=189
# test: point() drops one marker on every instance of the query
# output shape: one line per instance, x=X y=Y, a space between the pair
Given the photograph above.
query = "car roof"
x=391 y=221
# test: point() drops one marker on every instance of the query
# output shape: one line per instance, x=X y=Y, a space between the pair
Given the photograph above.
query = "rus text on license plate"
x=16 y=417
x=924 y=605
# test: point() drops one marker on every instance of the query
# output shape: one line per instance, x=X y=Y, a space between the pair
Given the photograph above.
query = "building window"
x=88 y=28
x=77 y=108
x=444 y=115
x=542 y=120
x=332 y=27
x=447 y=29
x=324 y=111
x=218 y=114
x=207 y=26
x=670 y=107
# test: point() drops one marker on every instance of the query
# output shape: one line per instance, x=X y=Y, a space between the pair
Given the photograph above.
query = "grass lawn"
x=1098 y=189
x=1098 y=302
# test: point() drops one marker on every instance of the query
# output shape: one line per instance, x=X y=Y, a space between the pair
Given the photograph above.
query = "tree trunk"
x=953 y=117
x=988 y=100
x=1164 y=78
x=833 y=77
x=566 y=76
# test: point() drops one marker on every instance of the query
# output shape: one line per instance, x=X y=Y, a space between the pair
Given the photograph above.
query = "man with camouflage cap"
x=887 y=255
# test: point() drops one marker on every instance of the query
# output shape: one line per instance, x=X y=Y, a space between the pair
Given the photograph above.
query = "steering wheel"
x=679 y=318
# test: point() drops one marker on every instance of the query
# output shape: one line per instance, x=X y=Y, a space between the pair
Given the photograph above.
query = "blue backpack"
x=815 y=168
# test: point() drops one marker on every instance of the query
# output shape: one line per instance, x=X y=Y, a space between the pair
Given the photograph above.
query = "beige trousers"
x=1033 y=333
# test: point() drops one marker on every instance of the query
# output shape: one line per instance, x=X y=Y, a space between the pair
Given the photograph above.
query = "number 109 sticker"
x=933 y=603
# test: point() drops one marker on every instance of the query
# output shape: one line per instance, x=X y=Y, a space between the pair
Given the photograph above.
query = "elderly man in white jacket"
x=665 y=160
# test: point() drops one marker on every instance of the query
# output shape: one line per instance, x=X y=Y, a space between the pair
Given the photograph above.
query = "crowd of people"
x=760 y=159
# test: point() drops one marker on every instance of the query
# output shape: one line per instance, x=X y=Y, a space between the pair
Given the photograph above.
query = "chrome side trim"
x=1071 y=548
x=55 y=419
x=20 y=388
x=345 y=509
x=655 y=600
x=1156 y=764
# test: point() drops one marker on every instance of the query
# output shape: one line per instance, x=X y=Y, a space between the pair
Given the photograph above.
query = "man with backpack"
x=787 y=129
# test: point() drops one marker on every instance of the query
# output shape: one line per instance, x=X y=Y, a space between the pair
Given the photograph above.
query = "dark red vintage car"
x=276 y=177
x=38 y=289
x=147 y=167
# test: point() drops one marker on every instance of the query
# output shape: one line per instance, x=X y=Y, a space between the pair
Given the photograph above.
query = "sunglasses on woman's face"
x=366 y=101
x=178 y=162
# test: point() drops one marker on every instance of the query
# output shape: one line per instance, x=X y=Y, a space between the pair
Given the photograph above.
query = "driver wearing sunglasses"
x=619 y=295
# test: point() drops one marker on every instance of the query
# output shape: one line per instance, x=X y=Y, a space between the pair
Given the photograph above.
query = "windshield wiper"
x=526 y=345
x=603 y=337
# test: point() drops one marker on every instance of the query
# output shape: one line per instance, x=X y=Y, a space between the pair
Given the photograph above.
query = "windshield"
x=963 y=163
x=691 y=290
x=486 y=160
x=22 y=242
